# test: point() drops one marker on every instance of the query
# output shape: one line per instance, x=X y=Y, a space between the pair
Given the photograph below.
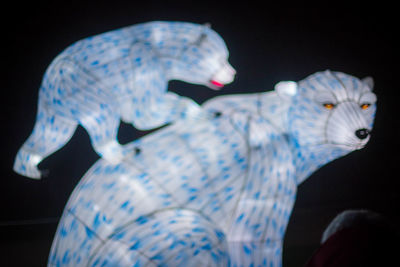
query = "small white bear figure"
x=122 y=74
x=217 y=192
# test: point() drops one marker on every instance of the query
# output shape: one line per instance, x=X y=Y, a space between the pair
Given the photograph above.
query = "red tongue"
x=217 y=83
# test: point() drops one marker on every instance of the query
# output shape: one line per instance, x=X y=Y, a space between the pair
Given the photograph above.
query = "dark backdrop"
x=268 y=43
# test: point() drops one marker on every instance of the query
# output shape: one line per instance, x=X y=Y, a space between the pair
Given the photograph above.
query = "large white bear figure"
x=217 y=192
x=122 y=74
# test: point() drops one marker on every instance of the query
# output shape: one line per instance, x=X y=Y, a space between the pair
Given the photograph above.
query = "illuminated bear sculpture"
x=122 y=74
x=215 y=192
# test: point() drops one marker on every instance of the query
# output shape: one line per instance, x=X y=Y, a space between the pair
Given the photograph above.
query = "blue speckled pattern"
x=122 y=74
x=215 y=192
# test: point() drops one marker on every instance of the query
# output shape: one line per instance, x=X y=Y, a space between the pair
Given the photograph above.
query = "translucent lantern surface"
x=122 y=74
x=216 y=192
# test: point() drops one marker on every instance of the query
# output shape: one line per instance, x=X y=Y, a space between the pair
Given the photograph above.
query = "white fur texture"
x=122 y=75
x=217 y=192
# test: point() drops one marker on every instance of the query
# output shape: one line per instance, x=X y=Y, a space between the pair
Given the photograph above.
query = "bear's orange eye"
x=365 y=106
x=329 y=105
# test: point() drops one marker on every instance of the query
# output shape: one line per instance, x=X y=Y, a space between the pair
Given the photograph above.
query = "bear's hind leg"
x=50 y=133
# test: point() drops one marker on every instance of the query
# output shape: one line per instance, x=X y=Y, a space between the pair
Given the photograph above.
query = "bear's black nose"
x=362 y=133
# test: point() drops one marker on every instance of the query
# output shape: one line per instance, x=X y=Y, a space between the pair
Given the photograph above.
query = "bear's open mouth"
x=216 y=84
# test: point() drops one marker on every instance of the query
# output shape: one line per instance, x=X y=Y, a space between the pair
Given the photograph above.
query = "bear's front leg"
x=261 y=215
x=160 y=110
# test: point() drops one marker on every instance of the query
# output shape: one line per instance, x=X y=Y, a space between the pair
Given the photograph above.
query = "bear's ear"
x=369 y=81
x=286 y=89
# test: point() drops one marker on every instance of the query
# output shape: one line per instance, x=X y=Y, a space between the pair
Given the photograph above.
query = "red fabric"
x=356 y=246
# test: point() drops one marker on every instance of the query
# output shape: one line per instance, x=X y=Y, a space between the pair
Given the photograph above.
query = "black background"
x=268 y=42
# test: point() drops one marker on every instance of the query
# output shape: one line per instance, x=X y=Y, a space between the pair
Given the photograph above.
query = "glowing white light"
x=217 y=190
x=35 y=159
x=288 y=88
x=122 y=74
